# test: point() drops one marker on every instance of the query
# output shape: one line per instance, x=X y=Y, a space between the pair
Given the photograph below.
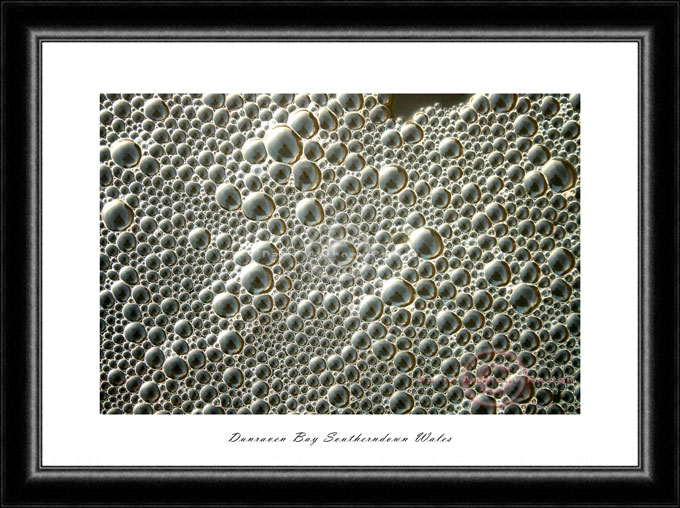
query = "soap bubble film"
x=339 y=254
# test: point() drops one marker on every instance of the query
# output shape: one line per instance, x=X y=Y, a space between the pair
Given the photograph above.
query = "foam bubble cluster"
x=310 y=253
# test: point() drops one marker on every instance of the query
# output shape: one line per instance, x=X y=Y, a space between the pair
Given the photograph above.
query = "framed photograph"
x=290 y=253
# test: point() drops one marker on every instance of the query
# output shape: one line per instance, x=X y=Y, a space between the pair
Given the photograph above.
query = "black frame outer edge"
x=654 y=25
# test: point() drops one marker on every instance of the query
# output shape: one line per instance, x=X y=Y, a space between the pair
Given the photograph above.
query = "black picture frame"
x=652 y=25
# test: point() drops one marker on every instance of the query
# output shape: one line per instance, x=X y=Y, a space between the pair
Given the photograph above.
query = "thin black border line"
x=642 y=451
x=345 y=40
x=641 y=428
x=677 y=214
x=39 y=466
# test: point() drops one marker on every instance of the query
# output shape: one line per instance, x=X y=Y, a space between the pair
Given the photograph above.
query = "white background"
x=74 y=74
